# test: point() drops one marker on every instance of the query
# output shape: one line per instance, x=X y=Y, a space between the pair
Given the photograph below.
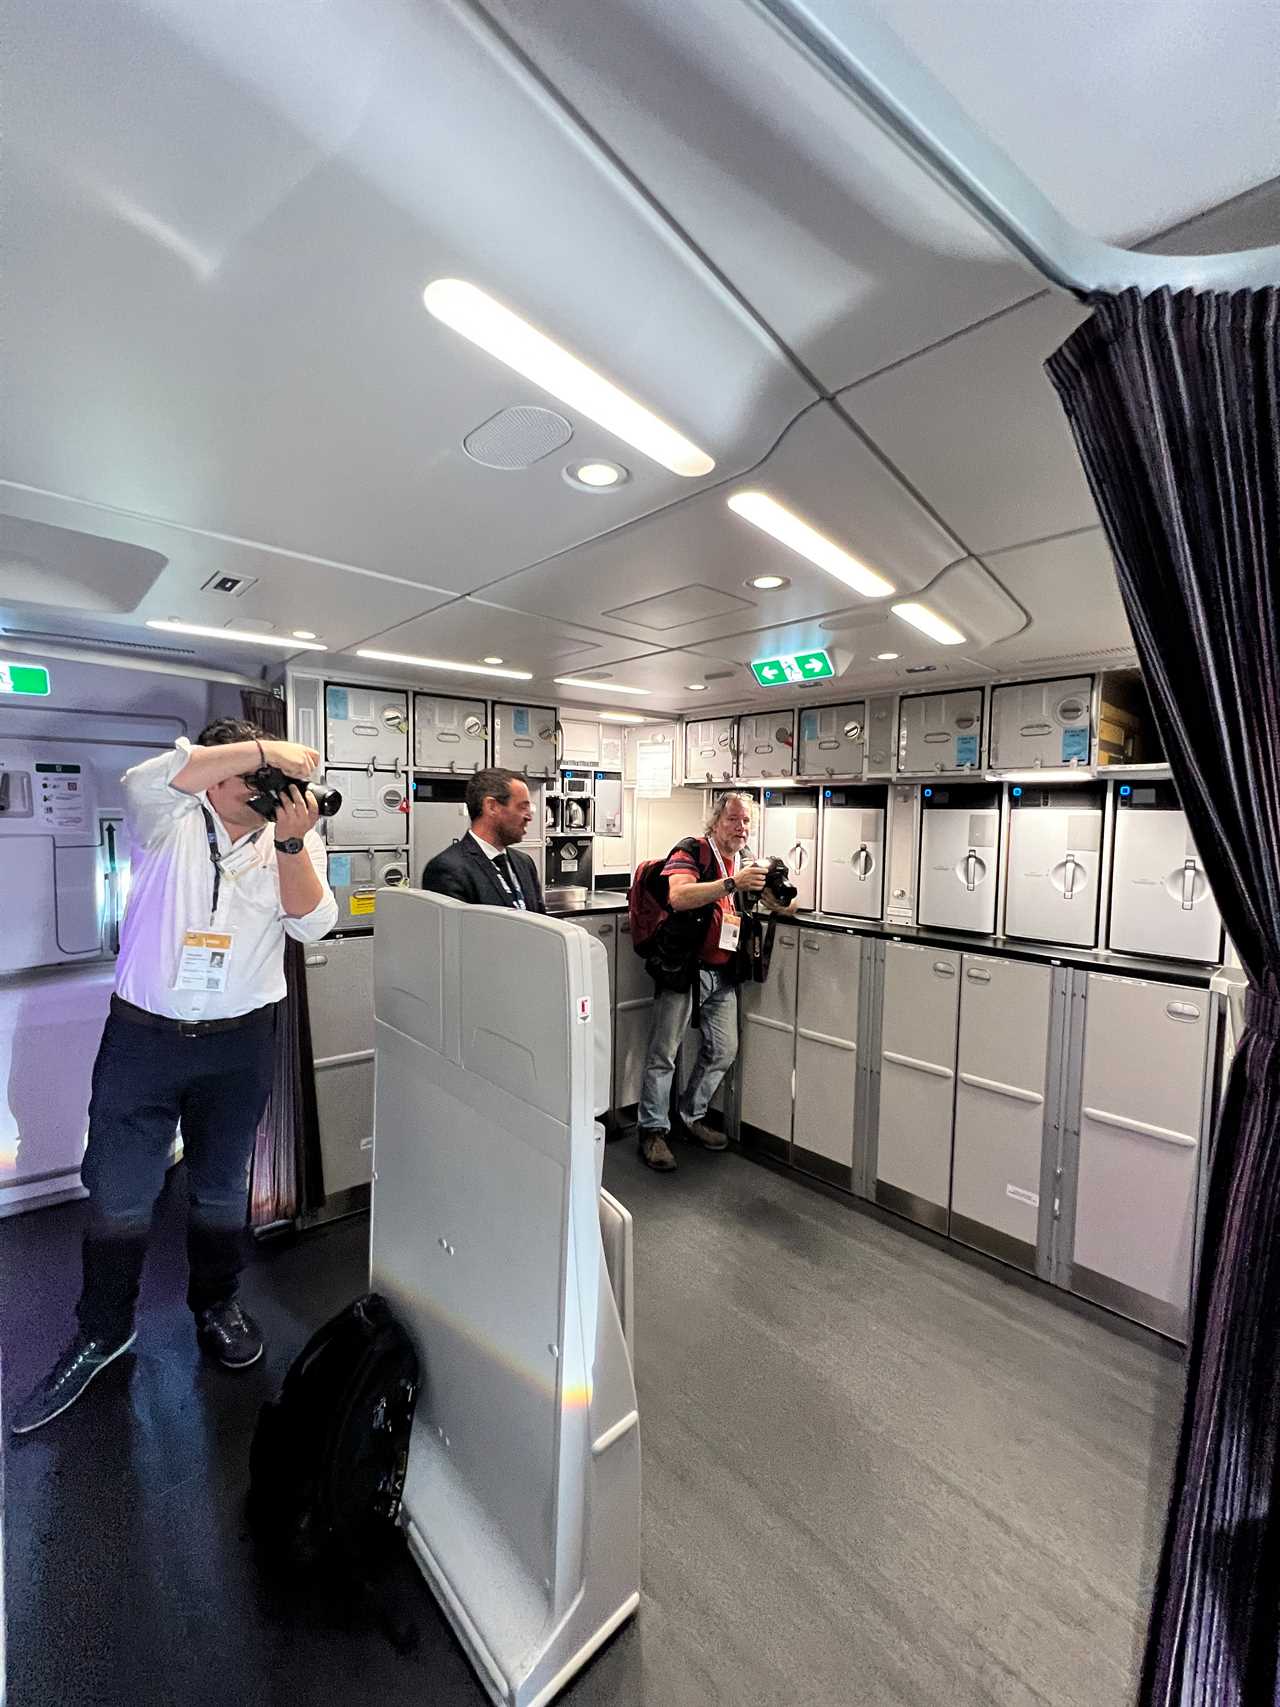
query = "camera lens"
x=328 y=800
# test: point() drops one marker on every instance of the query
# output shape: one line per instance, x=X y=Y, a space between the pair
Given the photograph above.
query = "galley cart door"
x=921 y=1008
x=1000 y=1106
x=826 y=1054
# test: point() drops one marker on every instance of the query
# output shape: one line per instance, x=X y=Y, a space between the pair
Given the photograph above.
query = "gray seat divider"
x=522 y=1500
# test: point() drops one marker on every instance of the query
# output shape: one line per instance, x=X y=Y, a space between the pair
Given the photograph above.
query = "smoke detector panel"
x=229 y=586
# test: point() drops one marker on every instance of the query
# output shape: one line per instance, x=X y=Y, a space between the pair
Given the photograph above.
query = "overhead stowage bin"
x=522 y=1499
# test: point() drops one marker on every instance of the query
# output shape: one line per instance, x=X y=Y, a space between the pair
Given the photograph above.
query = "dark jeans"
x=144 y=1082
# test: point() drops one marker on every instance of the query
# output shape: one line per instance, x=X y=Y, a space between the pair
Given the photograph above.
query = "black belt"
x=184 y=1028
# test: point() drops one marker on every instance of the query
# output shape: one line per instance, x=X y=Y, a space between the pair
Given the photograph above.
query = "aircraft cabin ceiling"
x=220 y=220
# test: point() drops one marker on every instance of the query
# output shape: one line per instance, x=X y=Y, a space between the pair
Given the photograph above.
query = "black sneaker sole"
x=222 y=1362
x=30 y=1428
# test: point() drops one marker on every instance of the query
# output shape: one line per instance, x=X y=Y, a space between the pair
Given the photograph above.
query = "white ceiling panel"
x=468 y=632
x=977 y=428
x=700 y=549
x=1128 y=114
x=1069 y=585
x=339 y=604
x=849 y=251
x=219 y=222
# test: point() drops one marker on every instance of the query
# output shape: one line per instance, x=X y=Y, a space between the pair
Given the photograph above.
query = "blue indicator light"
x=1017 y=794
x=827 y=793
x=928 y=794
x=1126 y=791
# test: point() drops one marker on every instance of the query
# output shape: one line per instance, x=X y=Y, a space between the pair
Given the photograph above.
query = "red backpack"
x=647 y=907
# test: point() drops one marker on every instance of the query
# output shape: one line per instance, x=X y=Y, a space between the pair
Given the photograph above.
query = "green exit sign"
x=801 y=667
x=24 y=678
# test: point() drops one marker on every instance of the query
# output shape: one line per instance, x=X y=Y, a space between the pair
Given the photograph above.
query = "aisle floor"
x=873 y=1474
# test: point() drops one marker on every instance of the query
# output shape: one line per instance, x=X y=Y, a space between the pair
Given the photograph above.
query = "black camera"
x=775 y=883
x=271 y=784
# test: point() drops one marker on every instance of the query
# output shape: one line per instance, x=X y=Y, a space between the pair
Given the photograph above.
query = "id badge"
x=730 y=931
x=239 y=860
x=204 y=961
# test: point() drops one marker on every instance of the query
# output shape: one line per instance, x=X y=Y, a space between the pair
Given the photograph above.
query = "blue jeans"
x=144 y=1082
x=718 y=1023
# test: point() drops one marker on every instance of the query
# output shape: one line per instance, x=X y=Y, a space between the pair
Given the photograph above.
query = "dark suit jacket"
x=466 y=872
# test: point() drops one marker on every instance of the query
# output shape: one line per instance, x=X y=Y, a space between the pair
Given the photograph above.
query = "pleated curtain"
x=1174 y=401
x=285 y=1174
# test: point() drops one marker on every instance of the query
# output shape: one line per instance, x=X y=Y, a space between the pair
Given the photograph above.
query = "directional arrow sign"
x=813 y=666
x=24 y=678
x=769 y=672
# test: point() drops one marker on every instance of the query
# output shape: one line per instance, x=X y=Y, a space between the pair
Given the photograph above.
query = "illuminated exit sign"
x=802 y=667
x=24 y=678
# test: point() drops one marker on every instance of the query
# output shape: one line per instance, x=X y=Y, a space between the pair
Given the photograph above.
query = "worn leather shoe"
x=655 y=1152
x=707 y=1136
x=228 y=1335
x=66 y=1381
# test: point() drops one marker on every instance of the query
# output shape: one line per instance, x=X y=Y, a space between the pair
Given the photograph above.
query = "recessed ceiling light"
x=621 y=717
x=175 y=627
x=929 y=622
x=504 y=335
x=491 y=660
x=596 y=476
x=885 y=657
x=443 y=664
x=696 y=687
x=766 y=513
x=600 y=687
x=303 y=634
x=768 y=583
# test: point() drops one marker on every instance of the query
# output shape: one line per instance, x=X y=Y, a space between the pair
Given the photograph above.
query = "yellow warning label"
x=362 y=905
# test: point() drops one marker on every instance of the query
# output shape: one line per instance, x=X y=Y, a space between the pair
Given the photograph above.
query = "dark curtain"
x=285 y=1177
x=1174 y=400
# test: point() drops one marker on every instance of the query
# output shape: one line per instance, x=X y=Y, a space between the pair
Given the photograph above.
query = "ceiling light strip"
x=790 y=530
x=928 y=622
x=476 y=316
x=597 y=687
x=443 y=664
x=285 y=642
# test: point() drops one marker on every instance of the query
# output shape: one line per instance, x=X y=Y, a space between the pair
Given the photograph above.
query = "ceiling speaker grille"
x=517 y=438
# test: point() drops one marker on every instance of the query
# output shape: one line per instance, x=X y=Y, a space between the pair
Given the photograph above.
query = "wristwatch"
x=293 y=845
x=729 y=885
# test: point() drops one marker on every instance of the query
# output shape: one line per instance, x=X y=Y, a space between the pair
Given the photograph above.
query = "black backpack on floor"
x=328 y=1460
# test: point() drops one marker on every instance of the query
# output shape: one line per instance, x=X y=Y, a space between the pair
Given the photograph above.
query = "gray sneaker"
x=655 y=1152
x=66 y=1381
x=707 y=1136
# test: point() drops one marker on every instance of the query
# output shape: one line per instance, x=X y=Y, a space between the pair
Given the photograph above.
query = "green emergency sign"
x=24 y=678
x=801 y=667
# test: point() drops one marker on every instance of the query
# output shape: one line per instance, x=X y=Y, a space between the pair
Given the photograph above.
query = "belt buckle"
x=189 y=1028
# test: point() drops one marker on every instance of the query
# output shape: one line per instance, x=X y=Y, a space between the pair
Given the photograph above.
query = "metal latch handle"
x=1071 y=877
x=971 y=869
x=1189 y=886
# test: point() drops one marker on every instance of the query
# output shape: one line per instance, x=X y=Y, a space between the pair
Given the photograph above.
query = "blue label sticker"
x=339 y=870
x=809 y=726
x=1075 y=745
x=966 y=749
x=335 y=703
x=519 y=720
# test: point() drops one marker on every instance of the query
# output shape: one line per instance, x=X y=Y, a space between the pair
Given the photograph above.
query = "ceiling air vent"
x=43 y=639
x=1075 y=657
x=231 y=586
x=517 y=438
x=920 y=669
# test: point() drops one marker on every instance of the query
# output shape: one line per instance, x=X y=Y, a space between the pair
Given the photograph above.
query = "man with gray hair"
x=705 y=879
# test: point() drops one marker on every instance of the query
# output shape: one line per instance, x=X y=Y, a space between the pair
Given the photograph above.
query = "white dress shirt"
x=171 y=892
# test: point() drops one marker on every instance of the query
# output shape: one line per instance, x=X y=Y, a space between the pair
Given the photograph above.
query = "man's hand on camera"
x=750 y=880
x=292 y=759
x=296 y=813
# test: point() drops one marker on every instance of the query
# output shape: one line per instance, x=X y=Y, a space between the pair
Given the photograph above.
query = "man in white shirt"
x=215 y=890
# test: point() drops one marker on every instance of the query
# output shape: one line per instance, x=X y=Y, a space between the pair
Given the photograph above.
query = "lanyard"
x=215 y=858
x=725 y=870
x=502 y=865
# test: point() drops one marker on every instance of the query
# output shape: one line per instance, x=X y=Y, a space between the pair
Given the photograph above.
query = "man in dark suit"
x=485 y=867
